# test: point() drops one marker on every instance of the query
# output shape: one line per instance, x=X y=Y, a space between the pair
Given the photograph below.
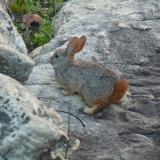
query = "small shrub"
x=18 y=6
x=44 y=8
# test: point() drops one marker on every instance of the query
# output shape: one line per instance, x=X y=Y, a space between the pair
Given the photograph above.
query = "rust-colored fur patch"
x=119 y=91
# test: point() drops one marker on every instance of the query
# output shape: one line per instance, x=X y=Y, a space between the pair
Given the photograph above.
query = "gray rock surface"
x=28 y=129
x=15 y=64
x=9 y=32
x=13 y=59
x=125 y=36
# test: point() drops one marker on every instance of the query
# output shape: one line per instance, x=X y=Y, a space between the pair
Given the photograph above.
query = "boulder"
x=124 y=36
x=28 y=129
x=15 y=64
x=9 y=31
x=13 y=53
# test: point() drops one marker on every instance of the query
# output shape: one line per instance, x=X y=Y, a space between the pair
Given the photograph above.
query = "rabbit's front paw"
x=67 y=92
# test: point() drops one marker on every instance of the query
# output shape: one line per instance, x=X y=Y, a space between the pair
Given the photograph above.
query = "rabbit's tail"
x=119 y=91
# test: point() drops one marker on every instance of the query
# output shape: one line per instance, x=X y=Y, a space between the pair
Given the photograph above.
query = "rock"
x=13 y=59
x=15 y=64
x=125 y=37
x=28 y=129
x=9 y=32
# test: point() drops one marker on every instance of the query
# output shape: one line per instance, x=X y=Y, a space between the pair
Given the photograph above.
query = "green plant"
x=46 y=9
x=18 y=6
x=44 y=34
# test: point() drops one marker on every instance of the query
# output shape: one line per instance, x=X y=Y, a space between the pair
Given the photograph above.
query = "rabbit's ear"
x=75 y=45
x=82 y=41
x=72 y=45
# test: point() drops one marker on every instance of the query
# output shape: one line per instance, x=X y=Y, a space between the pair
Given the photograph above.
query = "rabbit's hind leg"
x=90 y=110
x=96 y=107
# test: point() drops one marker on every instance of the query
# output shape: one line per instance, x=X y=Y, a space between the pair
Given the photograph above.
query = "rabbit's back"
x=90 y=79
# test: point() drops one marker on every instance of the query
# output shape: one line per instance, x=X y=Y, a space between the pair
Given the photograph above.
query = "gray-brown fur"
x=94 y=82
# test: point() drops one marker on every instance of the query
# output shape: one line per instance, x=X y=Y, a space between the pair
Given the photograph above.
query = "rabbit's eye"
x=56 y=55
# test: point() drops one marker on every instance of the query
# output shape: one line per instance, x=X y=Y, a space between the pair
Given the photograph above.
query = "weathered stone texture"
x=123 y=35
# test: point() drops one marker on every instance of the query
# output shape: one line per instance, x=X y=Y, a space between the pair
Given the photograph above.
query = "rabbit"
x=98 y=85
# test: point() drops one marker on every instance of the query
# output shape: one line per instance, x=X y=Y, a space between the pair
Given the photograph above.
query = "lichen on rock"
x=28 y=129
